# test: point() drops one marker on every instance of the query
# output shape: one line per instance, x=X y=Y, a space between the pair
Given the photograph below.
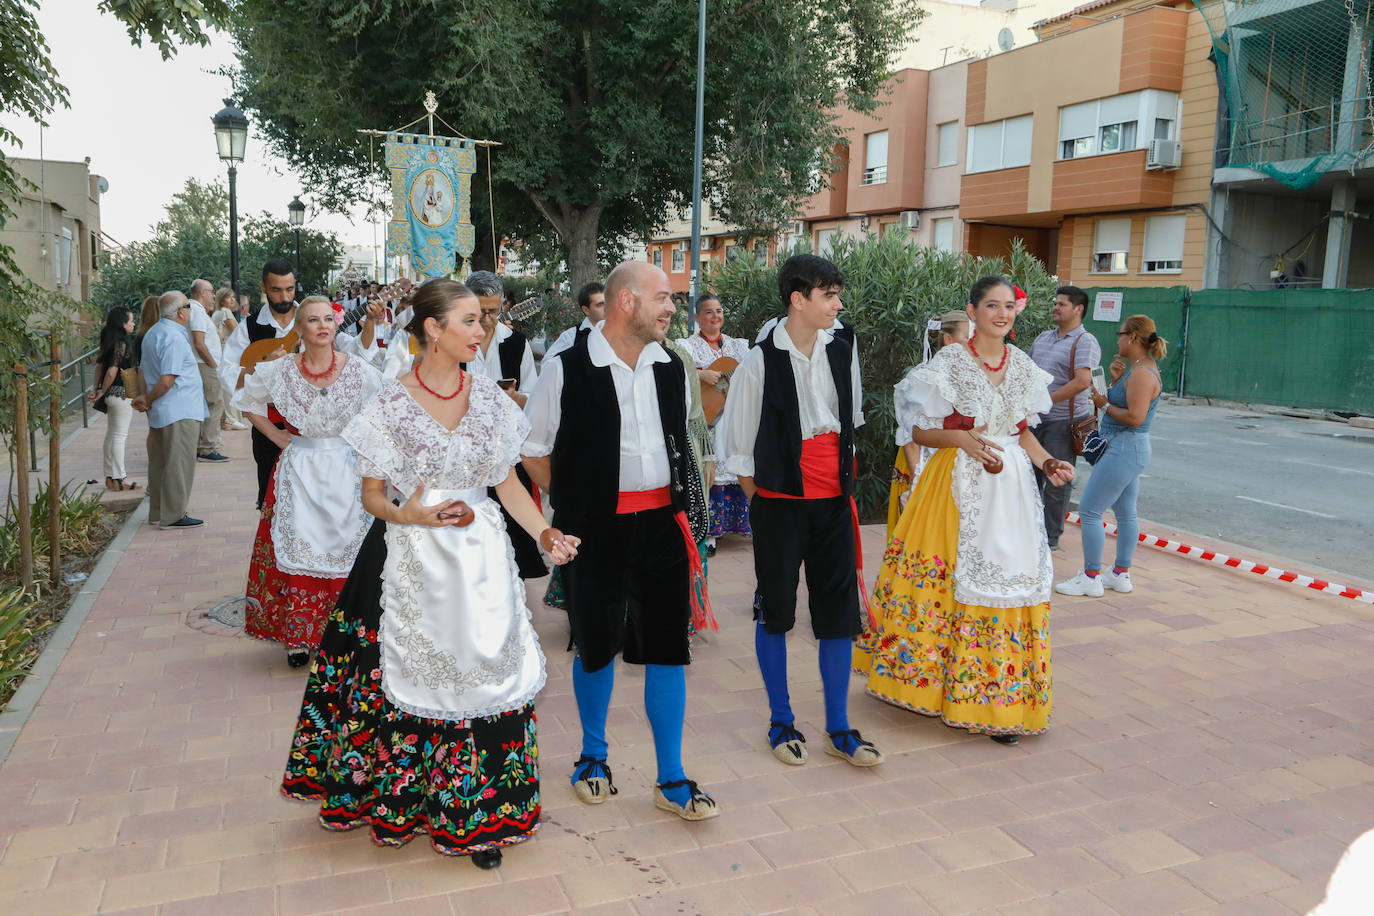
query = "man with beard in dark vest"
x=275 y=319
x=794 y=404
x=608 y=441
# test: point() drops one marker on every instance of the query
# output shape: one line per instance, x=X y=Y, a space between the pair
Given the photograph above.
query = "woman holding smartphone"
x=1129 y=409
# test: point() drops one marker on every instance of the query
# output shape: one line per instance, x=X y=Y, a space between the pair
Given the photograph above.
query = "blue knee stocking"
x=835 y=656
x=593 y=692
x=665 y=702
x=771 y=649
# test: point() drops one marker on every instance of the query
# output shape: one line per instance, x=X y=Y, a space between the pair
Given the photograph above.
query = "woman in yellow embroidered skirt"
x=963 y=594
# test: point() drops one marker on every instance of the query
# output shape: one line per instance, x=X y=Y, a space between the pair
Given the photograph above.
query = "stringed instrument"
x=518 y=312
x=259 y=350
x=713 y=396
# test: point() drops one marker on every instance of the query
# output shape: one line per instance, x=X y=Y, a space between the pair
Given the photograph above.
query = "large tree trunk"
x=580 y=237
x=577 y=228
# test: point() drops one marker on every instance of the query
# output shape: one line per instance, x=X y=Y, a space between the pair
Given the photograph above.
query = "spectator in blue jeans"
x=1130 y=406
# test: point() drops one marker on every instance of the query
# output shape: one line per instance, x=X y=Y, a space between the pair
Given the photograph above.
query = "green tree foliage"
x=892 y=287
x=193 y=242
x=593 y=102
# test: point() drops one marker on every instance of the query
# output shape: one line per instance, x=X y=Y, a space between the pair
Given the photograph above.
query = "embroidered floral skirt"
x=470 y=784
x=288 y=608
x=980 y=668
x=556 y=595
x=729 y=511
x=901 y=482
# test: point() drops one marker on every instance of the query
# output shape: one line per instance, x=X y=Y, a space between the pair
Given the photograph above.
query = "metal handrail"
x=41 y=383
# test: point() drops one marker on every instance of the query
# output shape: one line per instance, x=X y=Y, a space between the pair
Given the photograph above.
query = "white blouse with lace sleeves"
x=397 y=440
x=952 y=381
x=256 y=393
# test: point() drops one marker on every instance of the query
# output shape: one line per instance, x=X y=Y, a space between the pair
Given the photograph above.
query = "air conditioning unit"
x=1164 y=154
x=910 y=219
x=708 y=242
x=794 y=228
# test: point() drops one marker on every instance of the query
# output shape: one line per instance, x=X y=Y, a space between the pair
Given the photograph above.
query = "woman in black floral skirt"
x=418 y=716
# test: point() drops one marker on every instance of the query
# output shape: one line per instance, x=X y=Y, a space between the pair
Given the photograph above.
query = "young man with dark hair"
x=1067 y=352
x=794 y=404
x=591 y=298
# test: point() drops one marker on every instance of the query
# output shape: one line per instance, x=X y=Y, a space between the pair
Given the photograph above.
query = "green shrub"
x=19 y=626
x=892 y=287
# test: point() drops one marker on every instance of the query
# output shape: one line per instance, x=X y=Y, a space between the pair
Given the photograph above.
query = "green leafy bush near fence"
x=892 y=287
x=84 y=528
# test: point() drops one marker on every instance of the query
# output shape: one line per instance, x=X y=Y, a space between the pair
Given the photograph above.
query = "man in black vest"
x=794 y=403
x=505 y=357
x=608 y=442
x=273 y=320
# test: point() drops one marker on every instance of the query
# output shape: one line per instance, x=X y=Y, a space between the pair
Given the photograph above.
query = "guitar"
x=259 y=350
x=518 y=312
x=713 y=397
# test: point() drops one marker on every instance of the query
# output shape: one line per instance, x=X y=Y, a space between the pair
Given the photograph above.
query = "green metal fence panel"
x=1291 y=348
x=1167 y=305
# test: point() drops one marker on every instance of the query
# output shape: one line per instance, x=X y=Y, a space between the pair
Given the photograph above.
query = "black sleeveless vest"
x=510 y=352
x=585 y=472
x=258 y=331
x=777 y=449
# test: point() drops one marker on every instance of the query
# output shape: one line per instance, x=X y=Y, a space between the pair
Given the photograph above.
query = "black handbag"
x=1094 y=447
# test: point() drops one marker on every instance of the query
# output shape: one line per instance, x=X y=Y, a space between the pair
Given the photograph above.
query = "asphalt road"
x=1295 y=488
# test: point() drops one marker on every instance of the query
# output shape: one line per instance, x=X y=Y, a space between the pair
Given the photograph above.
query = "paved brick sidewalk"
x=1211 y=751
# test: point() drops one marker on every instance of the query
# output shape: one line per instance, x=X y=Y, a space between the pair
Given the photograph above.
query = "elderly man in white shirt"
x=209 y=352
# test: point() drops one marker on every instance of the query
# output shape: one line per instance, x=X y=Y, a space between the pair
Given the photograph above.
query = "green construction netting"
x=1298 y=85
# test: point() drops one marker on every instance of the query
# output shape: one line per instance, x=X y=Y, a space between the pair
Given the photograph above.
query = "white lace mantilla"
x=952 y=381
x=703 y=354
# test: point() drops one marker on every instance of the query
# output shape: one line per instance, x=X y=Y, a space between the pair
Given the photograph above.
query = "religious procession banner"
x=431 y=194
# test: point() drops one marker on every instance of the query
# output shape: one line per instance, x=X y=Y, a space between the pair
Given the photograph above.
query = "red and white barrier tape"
x=1259 y=569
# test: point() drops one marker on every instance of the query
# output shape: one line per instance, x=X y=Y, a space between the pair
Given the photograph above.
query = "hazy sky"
x=145 y=123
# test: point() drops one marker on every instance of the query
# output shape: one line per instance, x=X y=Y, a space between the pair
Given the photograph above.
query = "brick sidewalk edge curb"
x=15 y=714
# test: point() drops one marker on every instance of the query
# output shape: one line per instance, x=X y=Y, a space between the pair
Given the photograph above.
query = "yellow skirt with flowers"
x=980 y=668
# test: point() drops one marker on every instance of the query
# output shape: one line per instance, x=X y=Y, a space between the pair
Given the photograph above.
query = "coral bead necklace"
x=443 y=397
x=1006 y=351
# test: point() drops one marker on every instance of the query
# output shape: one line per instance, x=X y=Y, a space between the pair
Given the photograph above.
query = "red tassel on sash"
x=644 y=500
x=820 y=456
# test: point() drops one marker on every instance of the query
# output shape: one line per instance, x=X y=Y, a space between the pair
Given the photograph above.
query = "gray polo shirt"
x=1051 y=353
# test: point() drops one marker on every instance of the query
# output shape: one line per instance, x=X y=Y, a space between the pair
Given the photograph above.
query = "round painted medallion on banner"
x=431 y=197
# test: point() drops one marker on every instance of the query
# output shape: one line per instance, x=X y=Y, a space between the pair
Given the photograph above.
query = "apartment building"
x=55 y=231
x=1094 y=147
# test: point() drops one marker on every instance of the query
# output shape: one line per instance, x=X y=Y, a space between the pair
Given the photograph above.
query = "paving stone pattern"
x=1211 y=751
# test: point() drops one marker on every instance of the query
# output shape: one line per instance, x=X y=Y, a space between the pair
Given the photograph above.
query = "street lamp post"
x=231 y=137
x=296 y=213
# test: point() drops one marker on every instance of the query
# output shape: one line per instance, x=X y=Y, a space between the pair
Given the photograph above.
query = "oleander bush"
x=892 y=287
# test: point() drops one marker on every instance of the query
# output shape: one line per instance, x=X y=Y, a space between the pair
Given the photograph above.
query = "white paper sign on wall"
x=1107 y=307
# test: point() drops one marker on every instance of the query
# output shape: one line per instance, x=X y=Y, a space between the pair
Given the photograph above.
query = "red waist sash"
x=632 y=501
x=820 y=462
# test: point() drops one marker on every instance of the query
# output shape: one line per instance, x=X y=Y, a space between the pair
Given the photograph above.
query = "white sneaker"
x=1117 y=582
x=1081 y=584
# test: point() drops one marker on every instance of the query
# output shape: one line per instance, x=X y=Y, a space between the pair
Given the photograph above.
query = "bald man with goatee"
x=608 y=442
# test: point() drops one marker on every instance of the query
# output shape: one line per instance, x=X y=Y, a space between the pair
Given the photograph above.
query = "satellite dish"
x=102 y=184
x=1005 y=40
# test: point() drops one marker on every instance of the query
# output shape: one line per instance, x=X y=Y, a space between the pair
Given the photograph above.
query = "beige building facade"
x=55 y=232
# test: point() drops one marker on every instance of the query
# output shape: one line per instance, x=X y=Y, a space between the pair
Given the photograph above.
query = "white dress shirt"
x=489 y=363
x=643 y=454
x=772 y=323
x=817 y=400
x=565 y=340
x=200 y=321
x=238 y=342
